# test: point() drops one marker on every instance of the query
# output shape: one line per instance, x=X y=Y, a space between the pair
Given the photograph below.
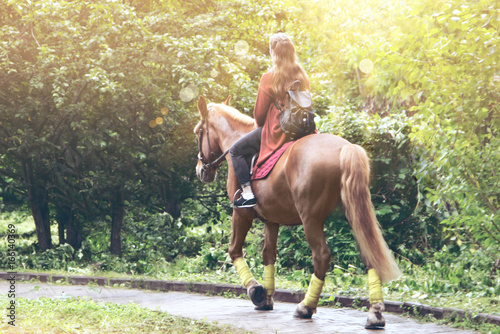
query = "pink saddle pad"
x=266 y=168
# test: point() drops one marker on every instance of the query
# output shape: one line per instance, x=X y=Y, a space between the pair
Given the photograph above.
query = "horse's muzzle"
x=206 y=175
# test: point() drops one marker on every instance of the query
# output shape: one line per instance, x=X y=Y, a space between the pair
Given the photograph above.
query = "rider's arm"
x=264 y=99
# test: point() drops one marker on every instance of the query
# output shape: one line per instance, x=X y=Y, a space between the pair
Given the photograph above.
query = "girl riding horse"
x=268 y=136
x=310 y=178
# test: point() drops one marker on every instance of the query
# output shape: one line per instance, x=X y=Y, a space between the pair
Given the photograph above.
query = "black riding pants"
x=242 y=151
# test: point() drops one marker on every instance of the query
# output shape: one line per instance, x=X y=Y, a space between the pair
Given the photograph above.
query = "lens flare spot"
x=243 y=60
x=188 y=93
x=164 y=111
x=159 y=120
x=366 y=66
x=214 y=73
x=241 y=47
x=152 y=124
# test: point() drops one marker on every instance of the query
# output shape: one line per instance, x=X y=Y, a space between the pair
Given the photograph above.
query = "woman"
x=268 y=137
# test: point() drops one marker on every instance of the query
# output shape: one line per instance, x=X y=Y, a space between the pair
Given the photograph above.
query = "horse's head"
x=210 y=155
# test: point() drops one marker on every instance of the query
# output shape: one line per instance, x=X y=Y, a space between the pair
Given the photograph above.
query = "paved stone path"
x=236 y=312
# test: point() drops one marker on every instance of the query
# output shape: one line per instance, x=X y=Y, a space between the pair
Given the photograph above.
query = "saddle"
x=262 y=171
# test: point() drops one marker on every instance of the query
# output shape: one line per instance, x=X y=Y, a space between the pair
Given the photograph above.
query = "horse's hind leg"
x=321 y=258
x=269 y=256
x=241 y=223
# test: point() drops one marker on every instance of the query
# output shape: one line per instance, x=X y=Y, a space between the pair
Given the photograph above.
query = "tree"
x=97 y=101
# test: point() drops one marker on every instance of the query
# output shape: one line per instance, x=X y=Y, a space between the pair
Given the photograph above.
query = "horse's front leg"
x=241 y=222
x=375 y=317
x=269 y=256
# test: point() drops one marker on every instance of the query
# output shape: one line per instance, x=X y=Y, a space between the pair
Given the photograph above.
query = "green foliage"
x=457 y=115
x=60 y=257
x=151 y=242
x=212 y=241
x=464 y=272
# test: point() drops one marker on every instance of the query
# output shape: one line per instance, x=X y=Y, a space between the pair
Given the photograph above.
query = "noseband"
x=207 y=164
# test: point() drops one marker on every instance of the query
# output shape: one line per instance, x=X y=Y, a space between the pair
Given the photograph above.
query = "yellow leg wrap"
x=375 y=287
x=313 y=292
x=243 y=270
x=269 y=279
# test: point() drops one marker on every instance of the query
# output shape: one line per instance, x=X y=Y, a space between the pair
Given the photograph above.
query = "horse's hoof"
x=375 y=318
x=257 y=295
x=304 y=312
x=268 y=306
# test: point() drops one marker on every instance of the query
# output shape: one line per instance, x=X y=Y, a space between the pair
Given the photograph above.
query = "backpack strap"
x=293 y=84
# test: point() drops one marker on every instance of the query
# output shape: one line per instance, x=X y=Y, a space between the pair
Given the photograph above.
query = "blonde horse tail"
x=356 y=198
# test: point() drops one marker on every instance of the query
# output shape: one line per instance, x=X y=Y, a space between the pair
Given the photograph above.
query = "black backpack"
x=297 y=119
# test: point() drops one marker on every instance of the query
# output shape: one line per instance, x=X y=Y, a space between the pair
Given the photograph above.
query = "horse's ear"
x=202 y=107
x=227 y=100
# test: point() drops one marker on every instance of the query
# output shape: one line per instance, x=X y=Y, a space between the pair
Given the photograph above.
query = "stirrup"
x=241 y=202
x=244 y=203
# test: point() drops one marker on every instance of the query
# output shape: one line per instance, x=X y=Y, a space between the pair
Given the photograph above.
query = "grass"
x=77 y=315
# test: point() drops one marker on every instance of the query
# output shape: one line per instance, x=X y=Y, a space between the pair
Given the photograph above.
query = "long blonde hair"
x=286 y=67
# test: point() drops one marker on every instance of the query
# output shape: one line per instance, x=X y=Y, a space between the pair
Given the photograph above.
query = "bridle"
x=207 y=164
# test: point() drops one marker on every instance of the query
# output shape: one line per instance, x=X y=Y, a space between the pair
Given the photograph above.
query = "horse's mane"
x=231 y=113
x=228 y=113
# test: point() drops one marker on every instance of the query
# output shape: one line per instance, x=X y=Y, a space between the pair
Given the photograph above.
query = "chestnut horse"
x=305 y=185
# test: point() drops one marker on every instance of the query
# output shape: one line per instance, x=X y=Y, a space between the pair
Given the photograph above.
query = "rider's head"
x=281 y=49
x=286 y=67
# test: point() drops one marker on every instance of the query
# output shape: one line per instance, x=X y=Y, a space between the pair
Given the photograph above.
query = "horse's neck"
x=229 y=131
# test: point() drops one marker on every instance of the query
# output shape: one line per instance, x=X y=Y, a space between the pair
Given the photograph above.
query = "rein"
x=201 y=157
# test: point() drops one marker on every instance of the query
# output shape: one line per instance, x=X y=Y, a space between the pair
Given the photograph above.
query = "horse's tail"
x=356 y=198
